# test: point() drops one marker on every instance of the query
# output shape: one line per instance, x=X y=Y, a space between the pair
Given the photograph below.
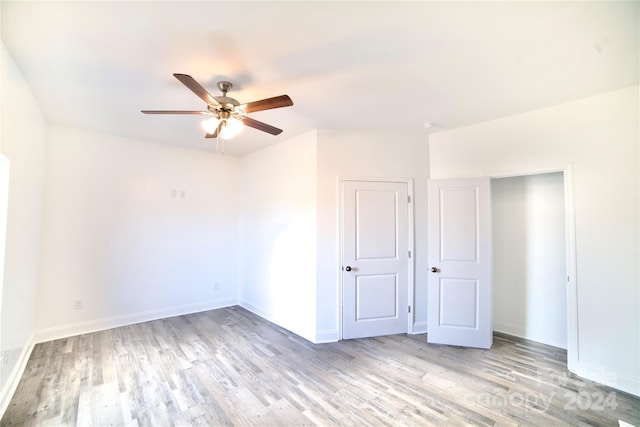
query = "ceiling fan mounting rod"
x=224 y=86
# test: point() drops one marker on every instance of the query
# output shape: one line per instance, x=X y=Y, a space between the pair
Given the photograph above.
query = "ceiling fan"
x=229 y=115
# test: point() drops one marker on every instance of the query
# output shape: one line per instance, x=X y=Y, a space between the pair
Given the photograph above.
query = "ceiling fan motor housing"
x=221 y=112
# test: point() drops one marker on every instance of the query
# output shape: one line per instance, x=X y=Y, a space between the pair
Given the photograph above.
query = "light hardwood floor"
x=230 y=367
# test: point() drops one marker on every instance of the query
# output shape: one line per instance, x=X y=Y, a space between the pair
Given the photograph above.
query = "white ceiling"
x=381 y=66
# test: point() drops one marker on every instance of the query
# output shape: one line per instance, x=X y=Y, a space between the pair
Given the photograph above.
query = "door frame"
x=411 y=266
x=573 y=356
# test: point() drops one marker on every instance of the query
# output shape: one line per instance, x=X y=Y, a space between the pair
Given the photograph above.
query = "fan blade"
x=173 y=112
x=261 y=126
x=215 y=133
x=267 y=104
x=195 y=87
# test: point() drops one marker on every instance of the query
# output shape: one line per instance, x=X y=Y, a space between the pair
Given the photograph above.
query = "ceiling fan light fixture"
x=210 y=125
x=230 y=128
x=235 y=125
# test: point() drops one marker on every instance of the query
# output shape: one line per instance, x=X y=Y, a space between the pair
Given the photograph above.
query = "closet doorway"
x=530 y=274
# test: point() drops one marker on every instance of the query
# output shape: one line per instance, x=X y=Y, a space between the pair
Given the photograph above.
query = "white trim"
x=419 y=328
x=411 y=245
x=573 y=347
x=79 y=328
x=9 y=388
x=340 y=221
x=255 y=310
x=554 y=340
x=263 y=313
x=341 y=179
x=327 y=336
x=412 y=249
x=617 y=380
x=529 y=173
x=14 y=377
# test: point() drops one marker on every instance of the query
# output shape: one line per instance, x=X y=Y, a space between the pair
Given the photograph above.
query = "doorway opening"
x=529 y=257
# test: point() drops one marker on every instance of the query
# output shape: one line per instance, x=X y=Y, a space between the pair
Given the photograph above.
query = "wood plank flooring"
x=230 y=367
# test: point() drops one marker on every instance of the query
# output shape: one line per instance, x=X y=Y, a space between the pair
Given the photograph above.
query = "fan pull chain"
x=219 y=145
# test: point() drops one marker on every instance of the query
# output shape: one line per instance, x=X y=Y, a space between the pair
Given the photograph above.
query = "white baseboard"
x=614 y=379
x=255 y=309
x=509 y=329
x=554 y=340
x=419 y=328
x=65 y=331
x=13 y=380
x=326 y=336
x=258 y=311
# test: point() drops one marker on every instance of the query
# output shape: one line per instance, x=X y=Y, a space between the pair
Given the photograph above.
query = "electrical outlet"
x=77 y=304
x=5 y=357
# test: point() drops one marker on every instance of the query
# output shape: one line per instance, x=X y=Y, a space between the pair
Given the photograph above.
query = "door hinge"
x=409 y=254
x=409 y=309
x=408 y=199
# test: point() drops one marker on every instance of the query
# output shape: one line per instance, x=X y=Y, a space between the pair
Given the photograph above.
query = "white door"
x=375 y=258
x=459 y=287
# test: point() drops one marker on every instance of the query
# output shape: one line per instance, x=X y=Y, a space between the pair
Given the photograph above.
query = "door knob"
x=347 y=268
x=434 y=270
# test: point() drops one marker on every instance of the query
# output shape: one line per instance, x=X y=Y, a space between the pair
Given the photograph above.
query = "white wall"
x=599 y=136
x=134 y=231
x=23 y=130
x=290 y=241
x=278 y=233
x=366 y=154
x=529 y=272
